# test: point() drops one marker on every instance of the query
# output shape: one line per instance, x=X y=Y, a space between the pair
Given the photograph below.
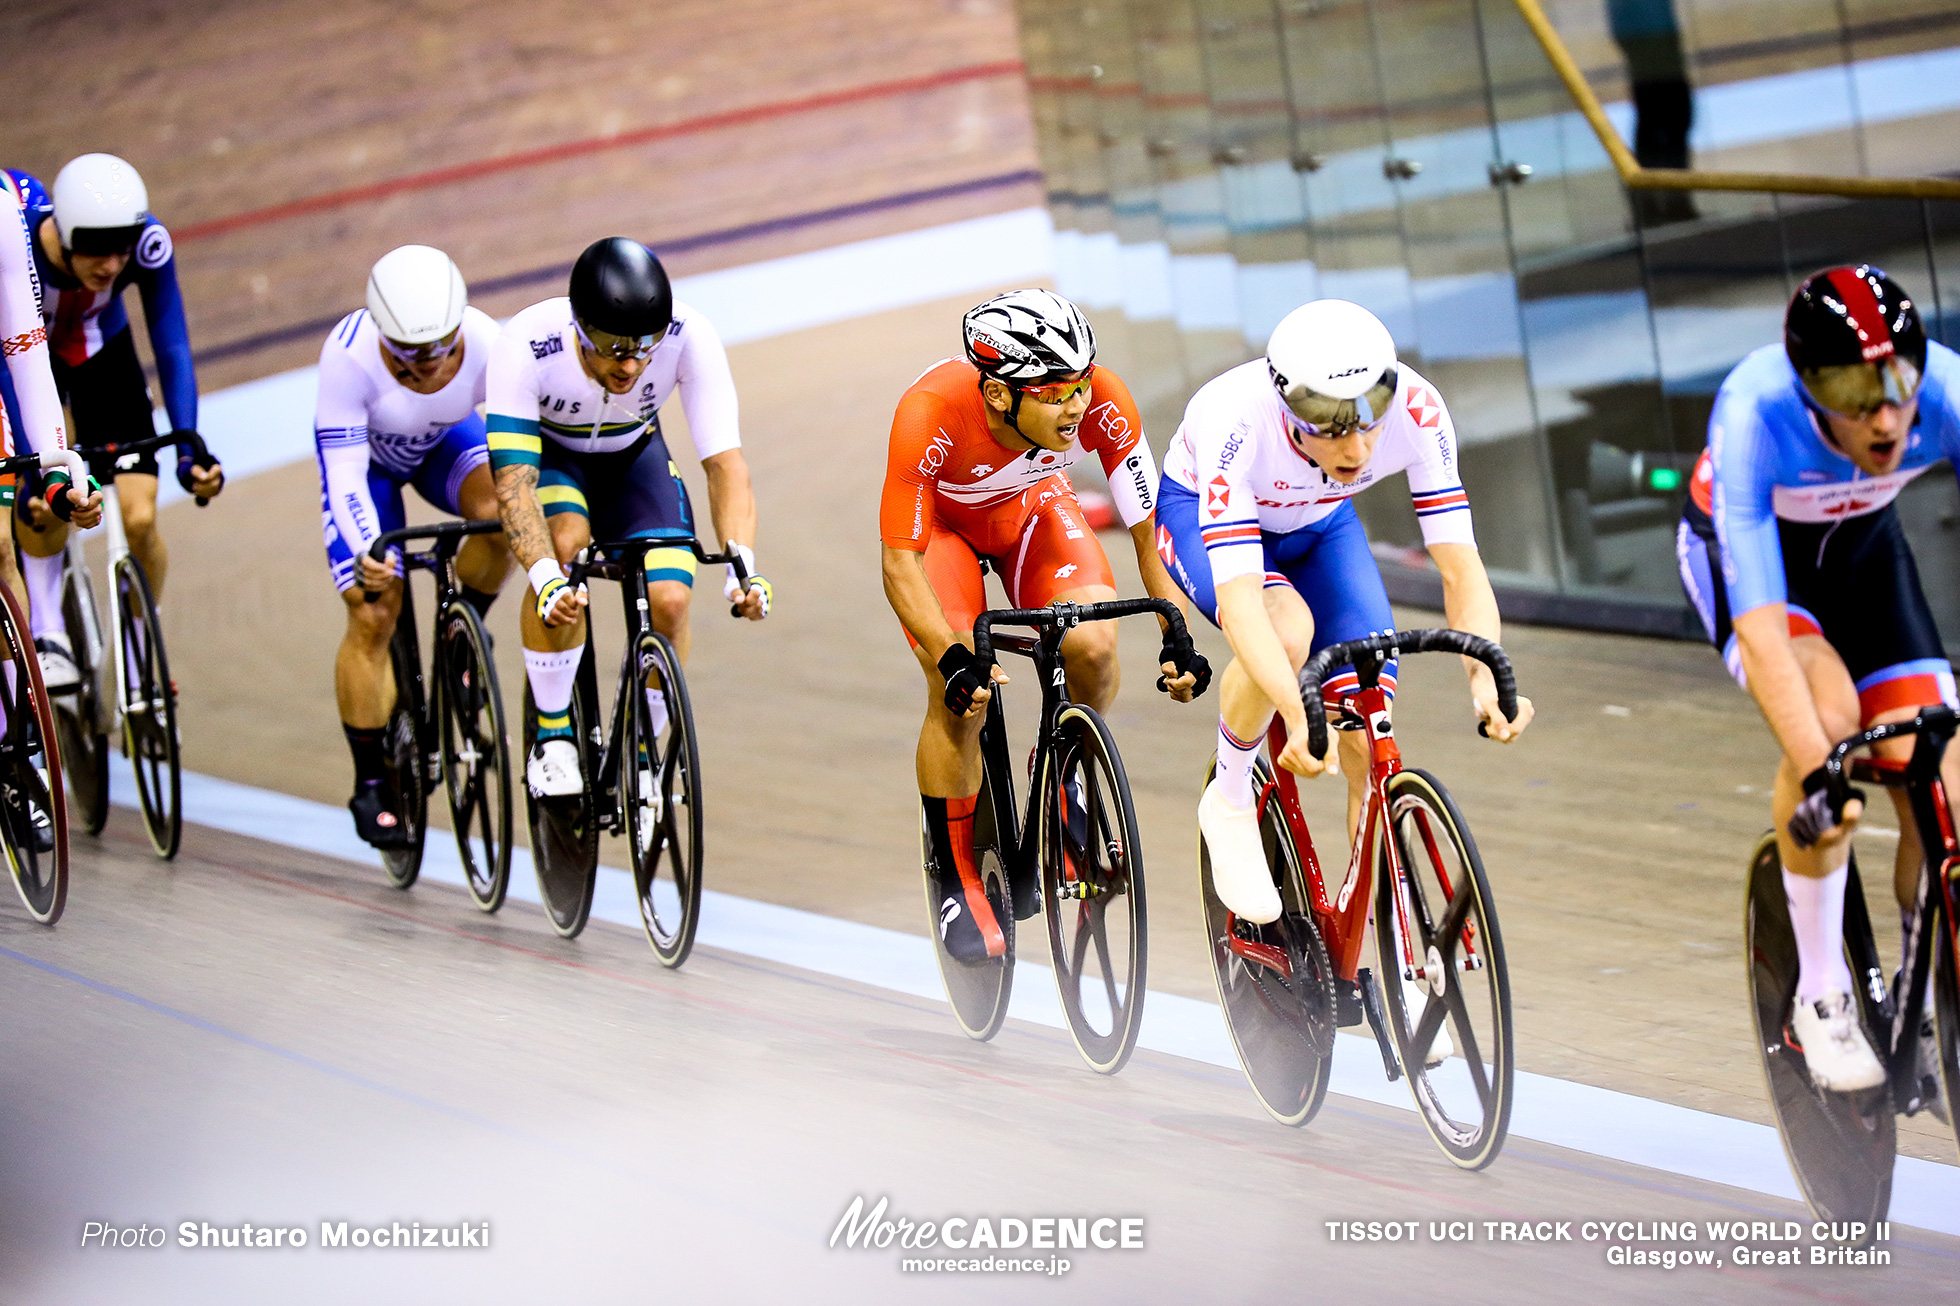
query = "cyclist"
x=93 y=236
x=400 y=382
x=28 y=386
x=977 y=468
x=575 y=389
x=1794 y=556
x=1258 y=528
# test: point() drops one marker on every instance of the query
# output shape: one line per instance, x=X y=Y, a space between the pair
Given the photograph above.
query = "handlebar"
x=200 y=453
x=67 y=459
x=1936 y=725
x=1066 y=615
x=438 y=531
x=603 y=560
x=1392 y=645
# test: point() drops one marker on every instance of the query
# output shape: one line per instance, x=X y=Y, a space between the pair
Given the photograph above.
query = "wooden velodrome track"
x=258 y=1034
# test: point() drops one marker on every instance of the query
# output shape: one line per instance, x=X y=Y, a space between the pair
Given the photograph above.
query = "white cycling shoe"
x=553 y=769
x=1238 y=859
x=58 y=670
x=1416 y=996
x=1835 y=1049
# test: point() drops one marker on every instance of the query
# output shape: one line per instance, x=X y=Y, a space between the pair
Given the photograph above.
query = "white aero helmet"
x=1025 y=337
x=1334 y=365
x=416 y=295
x=100 y=205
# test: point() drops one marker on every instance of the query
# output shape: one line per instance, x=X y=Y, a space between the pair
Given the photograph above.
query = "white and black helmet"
x=1025 y=337
x=1334 y=365
x=416 y=295
x=100 y=205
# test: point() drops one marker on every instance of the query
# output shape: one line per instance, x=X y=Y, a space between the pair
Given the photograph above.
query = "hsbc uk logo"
x=1218 y=498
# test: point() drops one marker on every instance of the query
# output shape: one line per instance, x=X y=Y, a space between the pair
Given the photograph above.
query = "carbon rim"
x=661 y=790
x=475 y=756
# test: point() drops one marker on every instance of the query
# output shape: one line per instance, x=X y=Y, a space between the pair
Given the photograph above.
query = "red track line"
x=435 y=177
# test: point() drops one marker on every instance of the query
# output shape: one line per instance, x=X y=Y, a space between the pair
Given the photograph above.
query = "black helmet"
x=619 y=288
x=1855 y=339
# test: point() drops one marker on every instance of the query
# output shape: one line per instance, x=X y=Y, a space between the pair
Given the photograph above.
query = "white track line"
x=1598 y=1121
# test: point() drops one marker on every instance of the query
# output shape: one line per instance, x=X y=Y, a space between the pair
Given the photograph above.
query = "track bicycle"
x=449 y=729
x=1841 y=1145
x=1084 y=866
x=143 y=706
x=1287 y=986
x=640 y=781
x=33 y=812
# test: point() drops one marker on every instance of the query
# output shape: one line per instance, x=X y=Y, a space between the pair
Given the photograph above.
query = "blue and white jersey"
x=1768 y=459
x=365 y=416
x=80 y=322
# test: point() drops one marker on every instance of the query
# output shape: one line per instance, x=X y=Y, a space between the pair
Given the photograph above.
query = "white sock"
x=656 y=711
x=43 y=576
x=1817 y=918
x=552 y=676
x=1235 y=759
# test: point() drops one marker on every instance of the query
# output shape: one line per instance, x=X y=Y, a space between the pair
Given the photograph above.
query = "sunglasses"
x=1058 y=392
x=1858 y=390
x=424 y=353
x=617 y=348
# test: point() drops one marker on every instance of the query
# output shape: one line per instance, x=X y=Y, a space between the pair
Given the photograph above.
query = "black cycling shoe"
x=967 y=927
x=376 y=823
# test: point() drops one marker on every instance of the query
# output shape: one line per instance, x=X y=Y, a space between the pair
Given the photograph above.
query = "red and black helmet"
x=1855 y=339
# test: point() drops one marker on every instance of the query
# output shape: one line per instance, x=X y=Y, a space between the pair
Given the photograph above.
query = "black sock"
x=365 y=745
x=478 y=600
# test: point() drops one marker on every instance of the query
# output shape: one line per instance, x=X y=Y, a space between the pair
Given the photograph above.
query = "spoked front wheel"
x=1275 y=981
x=33 y=815
x=1092 y=889
x=1448 y=993
x=661 y=790
x=564 y=831
x=150 y=738
x=78 y=715
x=475 y=755
x=979 y=991
x=405 y=765
x=1840 y=1145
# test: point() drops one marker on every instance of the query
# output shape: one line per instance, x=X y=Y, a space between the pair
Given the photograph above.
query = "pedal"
x=1371 y=1002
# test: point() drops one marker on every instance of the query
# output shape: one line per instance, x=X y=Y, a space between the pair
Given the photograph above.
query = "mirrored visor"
x=98 y=241
x=1860 y=389
x=424 y=353
x=1059 y=392
x=618 y=348
x=1335 y=418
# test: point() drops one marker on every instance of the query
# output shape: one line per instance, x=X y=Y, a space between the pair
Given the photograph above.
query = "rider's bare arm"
x=1242 y=616
x=730 y=500
x=517 y=504
x=1778 y=684
x=1470 y=604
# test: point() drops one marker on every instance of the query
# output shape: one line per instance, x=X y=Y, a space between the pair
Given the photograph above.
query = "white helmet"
x=416 y=295
x=1027 y=336
x=1334 y=365
x=100 y=199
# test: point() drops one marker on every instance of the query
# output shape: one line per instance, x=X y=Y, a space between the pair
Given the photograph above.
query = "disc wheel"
x=1279 y=1003
x=150 y=736
x=979 y=991
x=1092 y=890
x=33 y=814
x=407 y=773
x=564 y=831
x=1946 y=1012
x=661 y=791
x=1840 y=1145
x=475 y=755
x=1459 y=990
x=78 y=716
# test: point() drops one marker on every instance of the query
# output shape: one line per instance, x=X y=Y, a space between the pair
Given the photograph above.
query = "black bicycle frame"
x=439 y=561
x=621 y=561
x=1045 y=650
x=1919 y=776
